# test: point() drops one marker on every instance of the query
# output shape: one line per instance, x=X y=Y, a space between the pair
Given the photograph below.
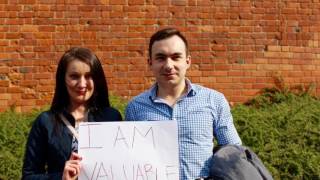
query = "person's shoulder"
x=138 y=102
x=110 y=110
x=140 y=97
x=111 y=113
x=44 y=116
x=44 y=119
x=207 y=91
x=207 y=94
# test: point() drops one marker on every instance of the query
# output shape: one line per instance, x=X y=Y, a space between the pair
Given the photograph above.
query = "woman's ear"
x=149 y=62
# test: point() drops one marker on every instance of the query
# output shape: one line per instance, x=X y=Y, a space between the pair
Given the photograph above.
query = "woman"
x=81 y=95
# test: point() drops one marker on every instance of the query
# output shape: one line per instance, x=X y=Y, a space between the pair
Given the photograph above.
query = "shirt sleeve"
x=129 y=112
x=224 y=129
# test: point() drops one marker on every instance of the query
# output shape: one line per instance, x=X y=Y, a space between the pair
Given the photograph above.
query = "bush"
x=284 y=130
x=118 y=103
x=14 y=129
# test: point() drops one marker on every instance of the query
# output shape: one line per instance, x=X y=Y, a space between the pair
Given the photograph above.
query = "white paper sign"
x=139 y=150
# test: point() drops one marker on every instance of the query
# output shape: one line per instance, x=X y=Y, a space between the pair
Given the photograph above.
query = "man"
x=201 y=113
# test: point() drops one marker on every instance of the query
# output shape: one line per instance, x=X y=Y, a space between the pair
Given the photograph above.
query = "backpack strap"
x=69 y=126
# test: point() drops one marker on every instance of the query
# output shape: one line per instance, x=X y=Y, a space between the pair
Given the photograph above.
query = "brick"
x=218 y=47
x=136 y=15
x=42 y=76
x=13 y=7
x=119 y=41
x=4 y=83
x=25 y=109
x=28 y=83
x=58 y=22
x=297 y=49
x=117 y=2
x=248 y=80
x=272 y=54
x=28 y=28
x=42 y=102
x=260 y=86
x=223 y=80
x=274 y=48
x=161 y=2
x=27 y=1
x=13 y=35
x=29 y=96
x=236 y=73
x=14 y=90
x=179 y=2
x=27 y=102
x=4 y=70
x=194 y=73
x=45 y=89
x=47 y=28
x=136 y=2
x=207 y=79
x=42 y=35
x=45 y=14
x=3 y=103
x=249 y=92
x=229 y=41
x=222 y=67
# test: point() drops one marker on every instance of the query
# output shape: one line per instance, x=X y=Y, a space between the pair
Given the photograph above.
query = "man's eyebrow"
x=160 y=54
x=174 y=54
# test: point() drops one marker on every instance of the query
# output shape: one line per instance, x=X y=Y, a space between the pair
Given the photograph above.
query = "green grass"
x=281 y=127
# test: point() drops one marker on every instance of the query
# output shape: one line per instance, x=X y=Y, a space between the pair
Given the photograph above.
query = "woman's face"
x=79 y=82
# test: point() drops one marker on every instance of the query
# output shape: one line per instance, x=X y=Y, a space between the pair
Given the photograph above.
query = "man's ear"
x=189 y=60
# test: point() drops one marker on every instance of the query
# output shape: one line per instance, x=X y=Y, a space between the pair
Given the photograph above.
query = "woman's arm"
x=34 y=164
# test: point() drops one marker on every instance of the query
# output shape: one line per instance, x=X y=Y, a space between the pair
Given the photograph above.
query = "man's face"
x=169 y=61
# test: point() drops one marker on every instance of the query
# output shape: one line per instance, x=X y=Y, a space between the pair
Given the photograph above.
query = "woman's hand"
x=72 y=167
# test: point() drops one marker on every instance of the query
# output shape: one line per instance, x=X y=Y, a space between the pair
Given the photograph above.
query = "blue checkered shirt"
x=202 y=114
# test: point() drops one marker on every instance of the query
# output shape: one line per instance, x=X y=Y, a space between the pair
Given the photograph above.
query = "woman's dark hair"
x=99 y=98
x=164 y=34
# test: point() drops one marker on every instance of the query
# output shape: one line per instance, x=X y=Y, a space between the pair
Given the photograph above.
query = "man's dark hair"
x=164 y=34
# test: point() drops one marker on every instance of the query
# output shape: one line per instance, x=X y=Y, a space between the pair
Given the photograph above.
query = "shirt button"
x=174 y=119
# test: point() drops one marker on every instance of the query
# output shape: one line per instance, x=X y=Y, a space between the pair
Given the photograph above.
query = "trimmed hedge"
x=282 y=128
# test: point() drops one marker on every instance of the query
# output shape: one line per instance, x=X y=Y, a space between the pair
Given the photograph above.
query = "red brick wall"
x=236 y=46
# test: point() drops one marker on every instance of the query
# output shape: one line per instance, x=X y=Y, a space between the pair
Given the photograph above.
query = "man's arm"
x=130 y=112
x=224 y=129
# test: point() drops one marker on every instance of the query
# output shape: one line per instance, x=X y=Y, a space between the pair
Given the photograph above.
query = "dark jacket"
x=49 y=147
x=236 y=162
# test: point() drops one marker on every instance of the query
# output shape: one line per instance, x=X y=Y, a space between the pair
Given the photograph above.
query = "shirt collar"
x=190 y=92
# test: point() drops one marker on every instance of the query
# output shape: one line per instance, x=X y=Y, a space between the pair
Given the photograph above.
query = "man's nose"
x=168 y=63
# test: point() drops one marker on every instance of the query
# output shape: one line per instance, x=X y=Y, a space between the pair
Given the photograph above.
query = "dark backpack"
x=234 y=162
